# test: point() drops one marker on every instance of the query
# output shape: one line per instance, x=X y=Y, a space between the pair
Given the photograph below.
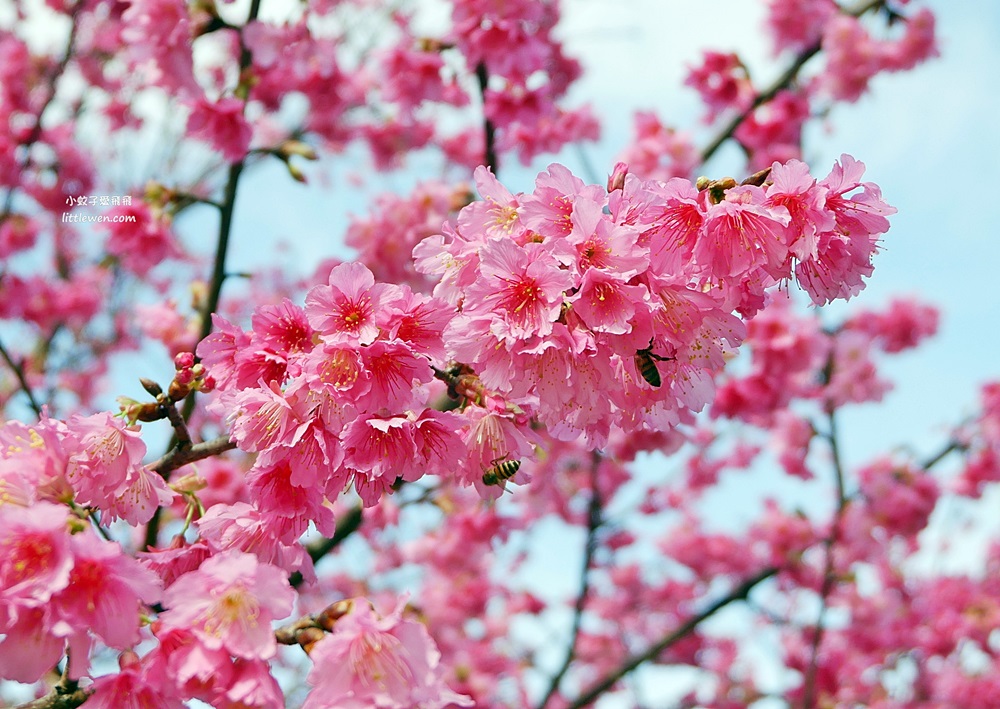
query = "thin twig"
x=347 y=525
x=782 y=82
x=630 y=664
x=36 y=129
x=18 y=370
x=594 y=522
x=829 y=577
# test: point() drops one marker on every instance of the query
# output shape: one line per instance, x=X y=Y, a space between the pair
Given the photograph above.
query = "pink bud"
x=616 y=180
x=184 y=360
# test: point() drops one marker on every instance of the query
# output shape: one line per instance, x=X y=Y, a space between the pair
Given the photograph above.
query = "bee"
x=500 y=471
x=645 y=362
x=646 y=365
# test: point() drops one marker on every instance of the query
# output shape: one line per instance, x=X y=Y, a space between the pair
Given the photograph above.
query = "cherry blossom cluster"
x=637 y=287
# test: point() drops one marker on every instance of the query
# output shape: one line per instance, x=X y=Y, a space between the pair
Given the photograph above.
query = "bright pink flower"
x=272 y=539
x=740 y=234
x=902 y=326
x=260 y=418
x=274 y=491
x=900 y=497
x=164 y=323
x=346 y=309
x=229 y=603
x=30 y=648
x=283 y=329
x=132 y=688
x=35 y=557
x=794 y=189
x=852 y=58
x=143 y=492
x=675 y=220
x=104 y=455
x=522 y=286
x=396 y=373
x=917 y=45
x=418 y=321
x=773 y=131
x=606 y=304
x=382 y=447
x=844 y=255
x=797 y=24
x=723 y=83
x=174 y=560
x=368 y=661
x=106 y=591
x=549 y=209
x=218 y=353
x=659 y=152
x=222 y=125
x=159 y=34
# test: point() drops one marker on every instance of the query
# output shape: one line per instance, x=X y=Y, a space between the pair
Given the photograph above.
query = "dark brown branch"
x=782 y=82
x=18 y=369
x=178 y=457
x=630 y=664
x=594 y=522
x=489 y=129
x=347 y=526
x=55 y=700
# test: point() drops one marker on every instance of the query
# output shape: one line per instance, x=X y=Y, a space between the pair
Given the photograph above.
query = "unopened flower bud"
x=332 y=613
x=184 y=377
x=307 y=637
x=178 y=391
x=128 y=659
x=188 y=483
x=150 y=386
x=206 y=384
x=616 y=180
x=184 y=360
x=297 y=147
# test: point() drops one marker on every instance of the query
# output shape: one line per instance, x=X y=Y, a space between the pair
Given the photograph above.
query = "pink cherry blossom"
x=229 y=603
x=388 y=662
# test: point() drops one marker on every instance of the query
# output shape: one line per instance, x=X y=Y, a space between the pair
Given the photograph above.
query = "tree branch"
x=347 y=525
x=782 y=82
x=178 y=457
x=489 y=129
x=630 y=664
x=18 y=370
x=829 y=577
x=594 y=521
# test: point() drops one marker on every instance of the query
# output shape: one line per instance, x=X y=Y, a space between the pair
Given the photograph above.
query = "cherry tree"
x=333 y=485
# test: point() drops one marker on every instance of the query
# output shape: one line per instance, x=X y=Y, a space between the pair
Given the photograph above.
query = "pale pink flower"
x=30 y=648
x=368 y=661
x=133 y=688
x=229 y=603
x=104 y=453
